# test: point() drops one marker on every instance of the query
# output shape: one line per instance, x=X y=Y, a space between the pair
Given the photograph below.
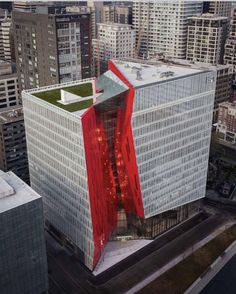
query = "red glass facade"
x=125 y=154
x=112 y=171
x=102 y=193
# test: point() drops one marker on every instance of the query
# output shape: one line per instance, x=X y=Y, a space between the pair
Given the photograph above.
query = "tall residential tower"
x=161 y=26
x=114 y=41
x=206 y=38
x=52 y=46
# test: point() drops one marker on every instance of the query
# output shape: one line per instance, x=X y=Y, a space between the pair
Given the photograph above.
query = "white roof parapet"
x=5 y=189
x=14 y=192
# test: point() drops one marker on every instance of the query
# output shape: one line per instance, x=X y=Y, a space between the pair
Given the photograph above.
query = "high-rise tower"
x=206 y=38
x=161 y=26
x=136 y=139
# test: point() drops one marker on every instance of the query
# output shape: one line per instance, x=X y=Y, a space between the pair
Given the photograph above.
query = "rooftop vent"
x=13 y=113
x=134 y=69
x=138 y=75
x=166 y=74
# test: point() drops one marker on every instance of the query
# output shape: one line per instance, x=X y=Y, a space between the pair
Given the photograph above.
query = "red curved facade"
x=111 y=164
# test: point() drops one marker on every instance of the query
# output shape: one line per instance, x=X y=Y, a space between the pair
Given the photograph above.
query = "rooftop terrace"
x=53 y=95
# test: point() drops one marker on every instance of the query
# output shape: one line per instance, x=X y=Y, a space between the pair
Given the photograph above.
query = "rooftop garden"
x=82 y=90
x=177 y=279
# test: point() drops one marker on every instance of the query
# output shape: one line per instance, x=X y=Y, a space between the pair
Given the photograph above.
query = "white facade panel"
x=58 y=170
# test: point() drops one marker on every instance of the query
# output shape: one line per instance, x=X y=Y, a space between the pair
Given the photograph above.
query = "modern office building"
x=53 y=46
x=22 y=245
x=114 y=41
x=226 y=126
x=206 y=38
x=13 y=151
x=220 y=8
x=135 y=140
x=9 y=93
x=161 y=27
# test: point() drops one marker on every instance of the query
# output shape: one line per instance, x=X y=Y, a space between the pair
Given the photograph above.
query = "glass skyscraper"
x=134 y=140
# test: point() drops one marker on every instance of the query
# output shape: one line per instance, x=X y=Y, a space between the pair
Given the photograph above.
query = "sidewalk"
x=177 y=259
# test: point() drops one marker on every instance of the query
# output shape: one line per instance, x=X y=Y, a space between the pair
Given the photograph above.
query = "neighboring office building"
x=114 y=41
x=223 y=84
x=140 y=145
x=29 y=6
x=22 y=244
x=117 y=14
x=230 y=45
x=206 y=38
x=97 y=12
x=51 y=47
x=123 y=14
x=9 y=93
x=13 y=150
x=90 y=11
x=161 y=27
x=220 y=8
x=7 y=50
x=108 y=14
x=100 y=13
x=226 y=126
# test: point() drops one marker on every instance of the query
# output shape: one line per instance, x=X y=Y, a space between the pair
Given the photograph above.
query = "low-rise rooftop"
x=11 y=114
x=231 y=105
x=115 y=26
x=208 y=16
x=14 y=192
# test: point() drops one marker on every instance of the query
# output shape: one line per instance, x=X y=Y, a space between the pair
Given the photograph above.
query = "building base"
x=133 y=227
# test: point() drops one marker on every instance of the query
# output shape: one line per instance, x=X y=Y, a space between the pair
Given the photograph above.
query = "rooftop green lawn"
x=83 y=90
